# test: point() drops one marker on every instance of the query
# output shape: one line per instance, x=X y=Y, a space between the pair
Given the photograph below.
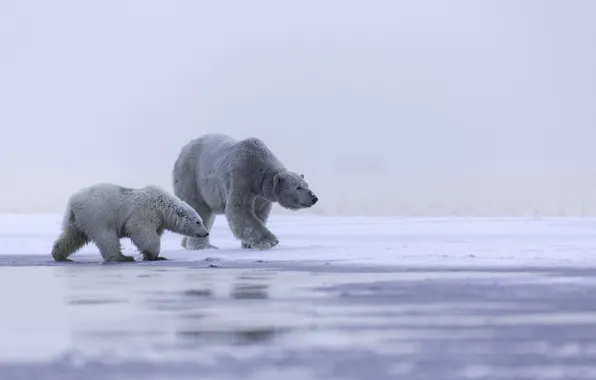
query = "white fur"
x=217 y=174
x=104 y=213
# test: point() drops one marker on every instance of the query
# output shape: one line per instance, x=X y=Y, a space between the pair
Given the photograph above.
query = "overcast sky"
x=389 y=107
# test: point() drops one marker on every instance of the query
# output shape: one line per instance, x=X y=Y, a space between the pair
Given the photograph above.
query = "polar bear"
x=104 y=213
x=217 y=174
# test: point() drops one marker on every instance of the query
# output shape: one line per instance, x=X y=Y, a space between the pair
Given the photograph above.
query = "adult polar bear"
x=216 y=174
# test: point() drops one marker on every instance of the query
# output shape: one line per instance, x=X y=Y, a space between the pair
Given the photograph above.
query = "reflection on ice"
x=230 y=321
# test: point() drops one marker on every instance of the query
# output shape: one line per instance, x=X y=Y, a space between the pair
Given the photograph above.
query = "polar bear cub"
x=104 y=213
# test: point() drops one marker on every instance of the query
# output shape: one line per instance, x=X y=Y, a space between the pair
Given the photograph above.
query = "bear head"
x=188 y=221
x=292 y=191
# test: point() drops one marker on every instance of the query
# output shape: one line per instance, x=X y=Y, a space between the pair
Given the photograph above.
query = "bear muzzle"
x=313 y=198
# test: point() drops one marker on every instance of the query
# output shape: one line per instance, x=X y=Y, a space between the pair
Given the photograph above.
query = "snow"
x=363 y=240
x=339 y=298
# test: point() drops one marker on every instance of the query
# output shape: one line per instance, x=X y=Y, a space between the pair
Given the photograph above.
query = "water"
x=229 y=321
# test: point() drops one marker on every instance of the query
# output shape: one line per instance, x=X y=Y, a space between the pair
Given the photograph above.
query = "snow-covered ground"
x=339 y=298
x=364 y=240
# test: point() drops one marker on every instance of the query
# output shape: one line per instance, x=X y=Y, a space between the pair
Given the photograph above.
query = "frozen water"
x=339 y=298
x=362 y=241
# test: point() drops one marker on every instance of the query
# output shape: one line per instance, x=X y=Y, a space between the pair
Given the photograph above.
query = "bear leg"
x=148 y=243
x=110 y=248
x=69 y=241
x=208 y=217
x=248 y=228
x=262 y=211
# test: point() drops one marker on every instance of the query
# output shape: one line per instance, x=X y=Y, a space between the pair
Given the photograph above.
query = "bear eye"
x=299 y=188
x=198 y=222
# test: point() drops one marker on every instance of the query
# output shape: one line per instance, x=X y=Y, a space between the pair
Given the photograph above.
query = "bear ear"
x=180 y=210
x=302 y=176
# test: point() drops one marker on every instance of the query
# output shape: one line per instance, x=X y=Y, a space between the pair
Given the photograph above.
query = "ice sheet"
x=339 y=298
x=363 y=240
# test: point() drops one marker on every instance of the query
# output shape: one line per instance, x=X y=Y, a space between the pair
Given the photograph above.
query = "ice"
x=362 y=240
x=339 y=298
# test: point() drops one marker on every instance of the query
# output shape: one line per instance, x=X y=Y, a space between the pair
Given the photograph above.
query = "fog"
x=388 y=107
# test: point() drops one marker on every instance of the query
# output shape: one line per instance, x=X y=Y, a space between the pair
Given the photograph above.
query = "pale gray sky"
x=388 y=107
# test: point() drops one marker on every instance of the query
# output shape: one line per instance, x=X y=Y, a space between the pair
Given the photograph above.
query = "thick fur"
x=105 y=213
x=217 y=174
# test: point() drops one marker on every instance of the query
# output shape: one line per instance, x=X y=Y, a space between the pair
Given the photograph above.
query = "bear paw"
x=62 y=260
x=262 y=245
x=192 y=244
x=158 y=258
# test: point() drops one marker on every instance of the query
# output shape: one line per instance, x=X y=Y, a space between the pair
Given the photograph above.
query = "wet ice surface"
x=350 y=298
